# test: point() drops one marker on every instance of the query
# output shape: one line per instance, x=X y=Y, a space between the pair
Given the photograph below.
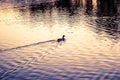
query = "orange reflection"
x=13 y=27
x=83 y=46
x=94 y=4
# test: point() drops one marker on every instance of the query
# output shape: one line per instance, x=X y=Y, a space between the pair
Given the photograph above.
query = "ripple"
x=91 y=51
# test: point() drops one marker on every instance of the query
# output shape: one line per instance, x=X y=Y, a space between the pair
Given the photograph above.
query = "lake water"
x=29 y=50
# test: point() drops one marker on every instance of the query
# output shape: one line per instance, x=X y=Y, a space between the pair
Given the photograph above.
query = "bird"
x=61 y=39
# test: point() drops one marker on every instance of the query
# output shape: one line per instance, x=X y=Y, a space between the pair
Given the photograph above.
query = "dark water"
x=28 y=34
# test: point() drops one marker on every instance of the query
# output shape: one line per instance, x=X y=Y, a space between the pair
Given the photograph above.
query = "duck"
x=61 y=39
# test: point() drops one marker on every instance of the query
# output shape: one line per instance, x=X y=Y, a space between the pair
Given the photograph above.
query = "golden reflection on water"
x=14 y=30
x=21 y=28
x=94 y=3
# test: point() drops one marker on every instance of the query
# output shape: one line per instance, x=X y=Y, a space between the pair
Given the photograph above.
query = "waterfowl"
x=61 y=39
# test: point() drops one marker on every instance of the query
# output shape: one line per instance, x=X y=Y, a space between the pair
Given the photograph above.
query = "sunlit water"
x=29 y=50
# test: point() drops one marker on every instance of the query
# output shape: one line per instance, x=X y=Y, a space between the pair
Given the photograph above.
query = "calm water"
x=29 y=51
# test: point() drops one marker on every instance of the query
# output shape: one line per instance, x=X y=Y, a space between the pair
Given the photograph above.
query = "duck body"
x=61 y=39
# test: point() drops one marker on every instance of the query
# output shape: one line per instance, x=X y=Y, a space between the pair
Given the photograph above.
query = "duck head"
x=63 y=36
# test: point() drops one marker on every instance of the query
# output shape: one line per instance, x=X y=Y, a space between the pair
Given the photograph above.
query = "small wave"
x=33 y=44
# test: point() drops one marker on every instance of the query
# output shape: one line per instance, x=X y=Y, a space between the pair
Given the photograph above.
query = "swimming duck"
x=61 y=39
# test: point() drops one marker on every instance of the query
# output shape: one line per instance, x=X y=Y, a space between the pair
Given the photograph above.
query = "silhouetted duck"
x=61 y=39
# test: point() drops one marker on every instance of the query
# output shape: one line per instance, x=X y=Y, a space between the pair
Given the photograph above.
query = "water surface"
x=29 y=51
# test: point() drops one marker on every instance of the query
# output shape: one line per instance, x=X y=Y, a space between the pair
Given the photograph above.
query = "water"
x=29 y=50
